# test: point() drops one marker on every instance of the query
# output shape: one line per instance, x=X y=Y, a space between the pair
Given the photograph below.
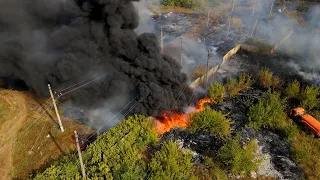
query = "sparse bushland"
x=209 y=170
x=211 y=121
x=116 y=154
x=268 y=112
x=216 y=90
x=266 y=79
x=239 y=159
x=171 y=163
x=234 y=86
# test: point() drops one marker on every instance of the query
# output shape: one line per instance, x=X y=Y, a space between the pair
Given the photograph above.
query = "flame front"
x=171 y=120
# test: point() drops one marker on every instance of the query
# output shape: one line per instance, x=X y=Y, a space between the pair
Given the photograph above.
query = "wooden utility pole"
x=79 y=153
x=271 y=7
x=230 y=17
x=208 y=17
x=161 y=40
x=207 y=77
x=181 y=52
x=255 y=26
x=55 y=108
x=254 y=7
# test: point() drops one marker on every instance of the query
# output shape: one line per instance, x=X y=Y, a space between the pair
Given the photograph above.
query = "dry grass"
x=27 y=145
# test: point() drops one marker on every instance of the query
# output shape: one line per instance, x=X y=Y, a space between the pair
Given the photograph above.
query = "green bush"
x=185 y=3
x=209 y=170
x=267 y=79
x=268 y=112
x=216 y=90
x=291 y=130
x=233 y=86
x=309 y=98
x=239 y=159
x=171 y=163
x=211 y=121
x=293 y=90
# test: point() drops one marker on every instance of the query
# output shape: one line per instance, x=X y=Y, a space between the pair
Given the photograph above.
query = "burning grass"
x=171 y=120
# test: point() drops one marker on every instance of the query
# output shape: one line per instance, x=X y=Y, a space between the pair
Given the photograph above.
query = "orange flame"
x=171 y=120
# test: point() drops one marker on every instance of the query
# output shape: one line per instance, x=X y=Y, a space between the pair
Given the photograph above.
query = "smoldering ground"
x=64 y=42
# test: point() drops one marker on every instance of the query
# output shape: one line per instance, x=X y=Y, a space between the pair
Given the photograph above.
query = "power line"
x=62 y=94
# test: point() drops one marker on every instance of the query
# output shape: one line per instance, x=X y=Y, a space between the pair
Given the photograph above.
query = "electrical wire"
x=83 y=85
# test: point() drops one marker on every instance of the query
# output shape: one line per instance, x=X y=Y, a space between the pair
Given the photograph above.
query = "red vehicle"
x=307 y=120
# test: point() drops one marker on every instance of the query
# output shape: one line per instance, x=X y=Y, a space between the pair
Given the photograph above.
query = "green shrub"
x=268 y=112
x=216 y=90
x=209 y=170
x=233 y=86
x=293 y=90
x=171 y=163
x=211 y=121
x=239 y=159
x=267 y=79
x=309 y=98
x=185 y=3
x=291 y=130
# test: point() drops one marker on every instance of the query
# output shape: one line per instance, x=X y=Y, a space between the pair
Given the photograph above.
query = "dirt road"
x=13 y=116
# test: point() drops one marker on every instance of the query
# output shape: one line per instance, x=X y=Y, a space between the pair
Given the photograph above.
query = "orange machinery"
x=306 y=119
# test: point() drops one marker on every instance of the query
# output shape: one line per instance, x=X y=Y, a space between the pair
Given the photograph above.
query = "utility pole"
x=161 y=40
x=254 y=7
x=230 y=18
x=55 y=108
x=271 y=7
x=255 y=26
x=207 y=77
x=181 y=52
x=79 y=153
x=208 y=17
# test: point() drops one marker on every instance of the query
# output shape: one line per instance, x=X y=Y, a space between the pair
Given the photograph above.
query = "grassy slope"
x=24 y=128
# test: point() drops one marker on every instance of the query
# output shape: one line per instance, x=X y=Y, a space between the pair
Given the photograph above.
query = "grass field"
x=29 y=135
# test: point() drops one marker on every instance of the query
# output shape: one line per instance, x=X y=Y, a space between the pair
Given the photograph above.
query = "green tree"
x=211 y=121
x=239 y=159
x=268 y=112
x=171 y=163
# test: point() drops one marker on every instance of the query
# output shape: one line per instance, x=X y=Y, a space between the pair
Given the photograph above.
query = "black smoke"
x=63 y=42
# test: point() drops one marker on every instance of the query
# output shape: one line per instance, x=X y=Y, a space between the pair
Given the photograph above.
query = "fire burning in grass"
x=171 y=120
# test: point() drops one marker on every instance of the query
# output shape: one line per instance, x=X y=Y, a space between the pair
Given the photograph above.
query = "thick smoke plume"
x=63 y=42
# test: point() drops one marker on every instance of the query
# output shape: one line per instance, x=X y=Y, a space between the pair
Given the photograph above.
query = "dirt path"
x=15 y=114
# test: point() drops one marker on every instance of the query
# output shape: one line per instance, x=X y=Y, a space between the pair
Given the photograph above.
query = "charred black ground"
x=64 y=42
